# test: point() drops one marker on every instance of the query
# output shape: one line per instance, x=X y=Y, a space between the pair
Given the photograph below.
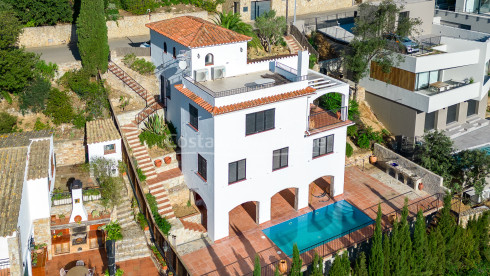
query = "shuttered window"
x=202 y=167
x=193 y=120
x=322 y=146
x=237 y=171
x=260 y=121
x=280 y=158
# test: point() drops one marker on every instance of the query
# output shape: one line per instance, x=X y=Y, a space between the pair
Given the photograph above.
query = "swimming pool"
x=348 y=26
x=486 y=149
x=320 y=225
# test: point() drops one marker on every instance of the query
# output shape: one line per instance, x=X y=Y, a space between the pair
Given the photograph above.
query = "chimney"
x=78 y=210
x=303 y=63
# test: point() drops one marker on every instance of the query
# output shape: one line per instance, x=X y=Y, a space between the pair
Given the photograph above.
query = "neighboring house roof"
x=14 y=149
x=194 y=32
x=38 y=160
x=242 y=105
x=101 y=131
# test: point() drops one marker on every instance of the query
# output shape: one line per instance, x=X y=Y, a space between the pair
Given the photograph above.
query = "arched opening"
x=209 y=59
x=201 y=205
x=244 y=217
x=328 y=109
x=320 y=191
x=284 y=202
x=164 y=47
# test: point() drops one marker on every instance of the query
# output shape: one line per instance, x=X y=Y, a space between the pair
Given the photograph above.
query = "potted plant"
x=373 y=159
x=167 y=159
x=158 y=163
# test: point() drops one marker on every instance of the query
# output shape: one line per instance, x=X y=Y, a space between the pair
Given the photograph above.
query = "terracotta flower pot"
x=373 y=159
x=147 y=228
x=421 y=186
x=338 y=115
x=78 y=219
x=167 y=160
x=283 y=266
x=124 y=173
x=158 y=163
x=164 y=267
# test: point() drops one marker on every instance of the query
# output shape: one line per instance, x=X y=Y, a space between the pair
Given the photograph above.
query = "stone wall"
x=471 y=214
x=69 y=152
x=432 y=182
x=16 y=266
x=66 y=33
x=42 y=233
x=179 y=195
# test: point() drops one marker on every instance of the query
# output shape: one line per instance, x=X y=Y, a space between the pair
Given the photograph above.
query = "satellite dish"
x=182 y=64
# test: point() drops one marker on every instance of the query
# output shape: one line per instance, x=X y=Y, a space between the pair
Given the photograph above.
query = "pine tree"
x=387 y=255
x=297 y=262
x=92 y=36
x=361 y=269
x=376 y=260
x=482 y=230
x=395 y=248
x=317 y=267
x=257 y=268
x=406 y=256
x=436 y=260
x=420 y=245
x=446 y=223
x=340 y=266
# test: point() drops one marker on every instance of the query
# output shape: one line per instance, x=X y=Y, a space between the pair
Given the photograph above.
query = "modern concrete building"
x=27 y=173
x=247 y=129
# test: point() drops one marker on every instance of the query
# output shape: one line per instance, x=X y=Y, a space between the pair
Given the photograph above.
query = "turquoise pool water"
x=320 y=225
x=486 y=149
x=348 y=26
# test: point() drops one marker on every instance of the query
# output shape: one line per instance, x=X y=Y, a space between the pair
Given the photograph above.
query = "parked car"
x=145 y=44
x=409 y=46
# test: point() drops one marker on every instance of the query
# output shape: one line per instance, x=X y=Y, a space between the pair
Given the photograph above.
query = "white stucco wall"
x=39 y=198
x=96 y=150
x=4 y=248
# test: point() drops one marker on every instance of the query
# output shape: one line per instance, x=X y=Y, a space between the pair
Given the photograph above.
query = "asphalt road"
x=69 y=53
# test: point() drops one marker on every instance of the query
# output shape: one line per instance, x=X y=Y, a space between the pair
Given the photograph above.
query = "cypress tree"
x=446 y=223
x=395 y=245
x=470 y=255
x=297 y=262
x=360 y=268
x=437 y=258
x=482 y=230
x=387 y=255
x=420 y=245
x=317 y=269
x=277 y=272
x=340 y=266
x=376 y=260
x=257 y=268
x=406 y=256
x=92 y=36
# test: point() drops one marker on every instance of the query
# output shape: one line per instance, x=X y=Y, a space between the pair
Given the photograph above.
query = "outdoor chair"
x=80 y=263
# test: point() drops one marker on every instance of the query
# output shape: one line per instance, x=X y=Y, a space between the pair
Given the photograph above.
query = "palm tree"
x=233 y=21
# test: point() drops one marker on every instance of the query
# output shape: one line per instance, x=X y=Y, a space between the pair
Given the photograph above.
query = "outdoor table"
x=439 y=86
x=77 y=271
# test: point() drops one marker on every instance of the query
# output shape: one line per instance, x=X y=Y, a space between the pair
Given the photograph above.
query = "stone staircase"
x=293 y=45
x=145 y=163
x=470 y=125
x=151 y=104
x=192 y=226
x=133 y=245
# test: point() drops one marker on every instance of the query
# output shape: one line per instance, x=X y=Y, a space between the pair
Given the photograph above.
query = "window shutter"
x=323 y=145
x=232 y=176
x=330 y=143
x=316 y=147
x=250 y=124
x=167 y=89
x=193 y=114
x=276 y=159
x=242 y=169
x=259 y=121
x=284 y=157
x=269 y=119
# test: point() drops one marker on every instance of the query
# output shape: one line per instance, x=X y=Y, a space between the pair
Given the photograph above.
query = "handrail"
x=303 y=41
x=142 y=115
x=287 y=68
x=127 y=75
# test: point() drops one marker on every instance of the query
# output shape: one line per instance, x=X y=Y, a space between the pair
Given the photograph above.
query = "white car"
x=145 y=44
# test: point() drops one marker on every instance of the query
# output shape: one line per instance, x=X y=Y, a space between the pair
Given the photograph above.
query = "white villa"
x=247 y=130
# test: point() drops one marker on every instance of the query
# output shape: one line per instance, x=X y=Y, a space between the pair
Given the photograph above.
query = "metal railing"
x=448 y=8
x=286 y=68
x=5 y=267
x=329 y=20
x=64 y=198
x=124 y=74
x=146 y=112
x=324 y=118
x=303 y=41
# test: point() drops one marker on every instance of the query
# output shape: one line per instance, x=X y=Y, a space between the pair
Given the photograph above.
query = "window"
x=165 y=47
x=472 y=107
x=236 y=171
x=174 y=53
x=193 y=120
x=258 y=8
x=260 y=121
x=423 y=79
x=202 y=167
x=403 y=16
x=430 y=121
x=209 y=59
x=452 y=114
x=108 y=149
x=322 y=146
x=280 y=158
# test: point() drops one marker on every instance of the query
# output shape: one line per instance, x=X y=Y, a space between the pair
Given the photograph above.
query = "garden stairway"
x=154 y=181
x=133 y=245
x=151 y=104
x=293 y=45
x=196 y=227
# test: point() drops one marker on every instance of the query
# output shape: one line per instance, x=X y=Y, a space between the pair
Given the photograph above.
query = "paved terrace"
x=234 y=255
x=250 y=80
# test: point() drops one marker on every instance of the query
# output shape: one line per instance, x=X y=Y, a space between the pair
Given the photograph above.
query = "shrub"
x=368 y=137
x=59 y=107
x=79 y=120
x=141 y=174
x=7 y=123
x=313 y=61
x=158 y=255
x=348 y=150
x=46 y=70
x=139 y=65
x=156 y=132
x=142 y=221
x=208 y=5
x=160 y=221
x=352 y=131
x=139 y=6
x=46 y=12
x=119 y=272
x=113 y=231
x=34 y=96
x=38 y=125
x=76 y=80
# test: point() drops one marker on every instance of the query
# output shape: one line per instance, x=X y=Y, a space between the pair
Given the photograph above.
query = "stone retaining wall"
x=471 y=213
x=66 y=33
x=69 y=152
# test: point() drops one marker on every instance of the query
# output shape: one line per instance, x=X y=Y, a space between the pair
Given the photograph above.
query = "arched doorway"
x=328 y=109
x=284 y=202
x=320 y=191
x=201 y=205
x=244 y=217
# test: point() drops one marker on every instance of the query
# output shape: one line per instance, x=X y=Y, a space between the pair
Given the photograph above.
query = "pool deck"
x=474 y=139
x=234 y=255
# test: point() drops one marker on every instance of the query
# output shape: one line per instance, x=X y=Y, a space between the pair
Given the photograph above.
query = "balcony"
x=443 y=86
x=322 y=120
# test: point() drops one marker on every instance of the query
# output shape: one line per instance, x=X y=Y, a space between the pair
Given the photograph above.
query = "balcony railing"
x=443 y=86
x=64 y=198
x=320 y=118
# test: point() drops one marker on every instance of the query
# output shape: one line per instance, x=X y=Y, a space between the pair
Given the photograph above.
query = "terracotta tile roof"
x=242 y=105
x=39 y=159
x=22 y=139
x=101 y=131
x=195 y=32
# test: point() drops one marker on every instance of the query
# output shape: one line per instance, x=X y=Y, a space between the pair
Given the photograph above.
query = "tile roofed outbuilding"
x=38 y=160
x=22 y=139
x=101 y=131
x=242 y=105
x=195 y=32
x=12 y=168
